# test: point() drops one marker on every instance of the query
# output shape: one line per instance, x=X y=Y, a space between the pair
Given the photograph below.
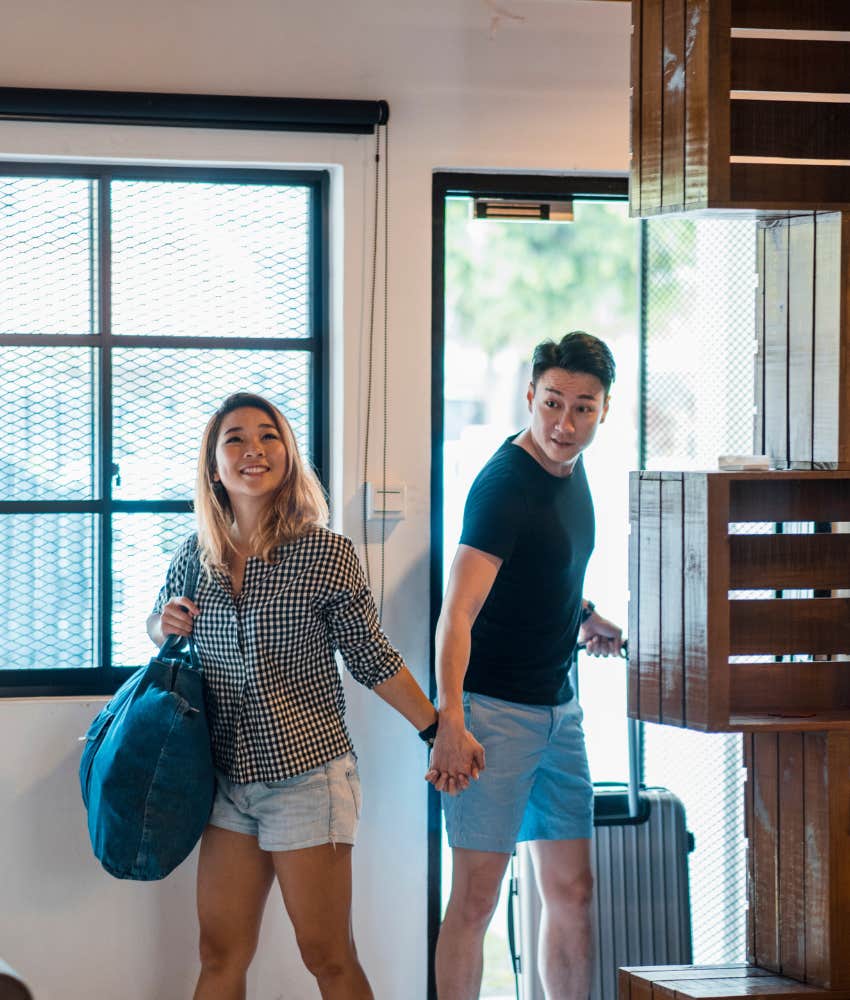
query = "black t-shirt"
x=542 y=527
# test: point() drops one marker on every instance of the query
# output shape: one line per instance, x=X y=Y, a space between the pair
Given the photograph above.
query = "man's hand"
x=601 y=637
x=457 y=756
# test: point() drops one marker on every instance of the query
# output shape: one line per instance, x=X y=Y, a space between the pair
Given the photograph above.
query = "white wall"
x=545 y=93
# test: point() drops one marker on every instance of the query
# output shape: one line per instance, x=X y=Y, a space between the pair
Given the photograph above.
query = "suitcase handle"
x=634 y=739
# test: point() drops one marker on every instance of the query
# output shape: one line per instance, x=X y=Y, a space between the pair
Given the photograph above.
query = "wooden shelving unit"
x=710 y=105
x=691 y=630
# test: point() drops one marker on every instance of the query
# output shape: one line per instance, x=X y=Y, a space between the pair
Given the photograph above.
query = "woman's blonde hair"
x=297 y=507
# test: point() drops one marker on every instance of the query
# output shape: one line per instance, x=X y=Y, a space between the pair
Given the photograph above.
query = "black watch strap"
x=429 y=734
x=587 y=610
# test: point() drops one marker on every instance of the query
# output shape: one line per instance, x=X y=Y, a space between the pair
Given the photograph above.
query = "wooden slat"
x=763 y=722
x=773 y=688
x=787 y=562
x=672 y=601
x=764 y=896
x=839 y=874
x=790 y=65
x=649 y=609
x=673 y=79
x=817 y=626
x=776 y=340
x=696 y=585
x=758 y=365
x=789 y=499
x=718 y=620
x=792 y=859
x=719 y=82
x=801 y=306
x=697 y=104
x=799 y=15
x=651 y=149
x=769 y=986
x=773 y=186
x=633 y=694
x=635 y=111
x=844 y=351
x=802 y=129
x=828 y=337
x=747 y=743
x=817 y=807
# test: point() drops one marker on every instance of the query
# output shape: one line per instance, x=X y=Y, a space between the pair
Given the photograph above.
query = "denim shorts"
x=321 y=806
x=536 y=785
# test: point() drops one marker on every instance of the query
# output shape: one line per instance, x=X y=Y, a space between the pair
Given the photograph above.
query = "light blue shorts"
x=536 y=785
x=321 y=806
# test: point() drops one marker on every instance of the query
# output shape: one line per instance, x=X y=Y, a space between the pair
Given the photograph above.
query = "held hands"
x=457 y=756
x=601 y=637
x=178 y=616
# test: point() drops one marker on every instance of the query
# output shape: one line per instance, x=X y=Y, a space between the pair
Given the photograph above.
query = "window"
x=131 y=303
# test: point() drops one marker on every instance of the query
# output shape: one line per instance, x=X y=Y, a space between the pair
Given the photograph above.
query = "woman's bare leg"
x=234 y=878
x=316 y=887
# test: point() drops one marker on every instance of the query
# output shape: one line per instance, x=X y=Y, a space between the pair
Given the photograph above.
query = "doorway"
x=500 y=287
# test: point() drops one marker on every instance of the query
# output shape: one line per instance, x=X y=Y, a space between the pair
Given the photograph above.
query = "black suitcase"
x=641 y=905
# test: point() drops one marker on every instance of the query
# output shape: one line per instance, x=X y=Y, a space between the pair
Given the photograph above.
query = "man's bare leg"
x=476 y=881
x=565 y=951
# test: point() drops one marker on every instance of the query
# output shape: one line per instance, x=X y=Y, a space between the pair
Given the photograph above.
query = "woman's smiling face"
x=251 y=458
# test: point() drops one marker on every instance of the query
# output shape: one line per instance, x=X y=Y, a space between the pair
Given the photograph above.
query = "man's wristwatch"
x=586 y=611
x=429 y=734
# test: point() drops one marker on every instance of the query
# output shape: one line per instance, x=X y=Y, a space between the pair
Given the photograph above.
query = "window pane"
x=47 y=423
x=210 y=259
x=46 y=601
x=47 y=228
x=162 y=400
x=143 y=545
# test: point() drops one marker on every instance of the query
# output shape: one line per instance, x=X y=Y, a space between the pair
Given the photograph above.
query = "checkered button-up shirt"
x=274 y=692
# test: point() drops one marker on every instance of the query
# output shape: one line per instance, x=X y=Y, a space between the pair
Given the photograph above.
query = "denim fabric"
x=536 y=785
x=321 y=806
x=146 y=772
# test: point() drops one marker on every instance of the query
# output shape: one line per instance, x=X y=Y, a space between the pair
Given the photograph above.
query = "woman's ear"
x=216 y=477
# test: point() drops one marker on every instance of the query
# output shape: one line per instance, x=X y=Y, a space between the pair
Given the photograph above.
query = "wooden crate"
x=699 y=139
x=797 y=816
x=803 y=327
x=718 y=982
x=687 y=634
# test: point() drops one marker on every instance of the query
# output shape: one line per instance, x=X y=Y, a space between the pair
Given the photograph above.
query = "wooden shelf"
x=718 y=982
x=696 y=128
x=797 y=820
x=691 y=639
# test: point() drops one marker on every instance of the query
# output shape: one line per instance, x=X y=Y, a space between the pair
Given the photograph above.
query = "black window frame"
x=104 y=679
x=516 y=187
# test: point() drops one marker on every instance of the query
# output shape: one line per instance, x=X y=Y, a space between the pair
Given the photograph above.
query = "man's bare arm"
x=470 y=581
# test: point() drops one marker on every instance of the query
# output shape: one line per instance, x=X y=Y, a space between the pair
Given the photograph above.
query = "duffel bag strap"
x=174 y=643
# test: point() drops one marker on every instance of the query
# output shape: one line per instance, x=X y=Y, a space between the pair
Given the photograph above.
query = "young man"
x=510 y=620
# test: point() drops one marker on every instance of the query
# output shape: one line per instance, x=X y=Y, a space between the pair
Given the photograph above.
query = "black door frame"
x=556 y=187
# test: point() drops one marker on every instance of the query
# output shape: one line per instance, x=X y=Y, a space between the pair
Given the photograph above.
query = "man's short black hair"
x=576 y=352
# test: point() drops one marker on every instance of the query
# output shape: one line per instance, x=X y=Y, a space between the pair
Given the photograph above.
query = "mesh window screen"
x=47 y=227
x=103 y=407
x=225 y=260
x=699 y=340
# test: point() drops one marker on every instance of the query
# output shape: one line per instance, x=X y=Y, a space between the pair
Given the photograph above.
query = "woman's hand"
x=178 y=616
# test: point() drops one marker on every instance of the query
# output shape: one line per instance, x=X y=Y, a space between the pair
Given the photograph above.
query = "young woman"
x=278 y=595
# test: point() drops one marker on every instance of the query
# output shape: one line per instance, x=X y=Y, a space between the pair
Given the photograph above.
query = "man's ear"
x=530 y=395
x=605 y=409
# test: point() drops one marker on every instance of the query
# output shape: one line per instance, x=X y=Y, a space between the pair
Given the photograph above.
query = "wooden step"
x=715 y=982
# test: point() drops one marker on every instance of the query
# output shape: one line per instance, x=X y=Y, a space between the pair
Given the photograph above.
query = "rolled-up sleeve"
x=352 y=622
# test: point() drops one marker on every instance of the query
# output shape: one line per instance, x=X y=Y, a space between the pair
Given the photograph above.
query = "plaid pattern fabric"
x=274 y=692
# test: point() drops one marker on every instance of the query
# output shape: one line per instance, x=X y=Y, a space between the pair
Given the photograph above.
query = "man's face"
x=566 y=409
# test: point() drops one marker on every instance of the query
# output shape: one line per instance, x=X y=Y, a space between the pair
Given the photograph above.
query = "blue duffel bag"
x=146 y=772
